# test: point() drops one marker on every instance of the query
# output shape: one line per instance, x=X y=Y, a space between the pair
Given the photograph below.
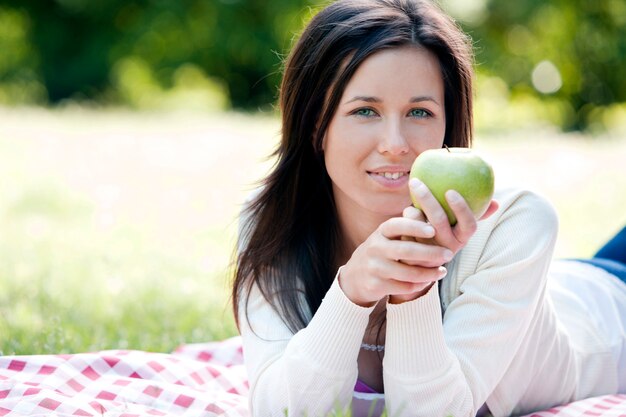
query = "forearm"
x=295 y=386
x=422 y=376
x=452 y=365
x=315 y=370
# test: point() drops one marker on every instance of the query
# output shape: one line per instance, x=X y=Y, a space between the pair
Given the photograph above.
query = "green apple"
x=459 y=169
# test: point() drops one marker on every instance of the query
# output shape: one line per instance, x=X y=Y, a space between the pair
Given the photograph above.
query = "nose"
x=393 y=141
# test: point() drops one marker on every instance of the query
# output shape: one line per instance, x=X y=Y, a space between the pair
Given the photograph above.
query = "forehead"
x=409 y=69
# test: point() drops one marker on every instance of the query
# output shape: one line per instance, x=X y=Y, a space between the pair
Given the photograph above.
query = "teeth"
x=392 y=175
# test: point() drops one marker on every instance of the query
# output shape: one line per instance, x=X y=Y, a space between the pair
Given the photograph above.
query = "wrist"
x=403 y=298
x=341 y=275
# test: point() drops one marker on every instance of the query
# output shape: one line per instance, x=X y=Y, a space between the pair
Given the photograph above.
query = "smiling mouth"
x=391 y=175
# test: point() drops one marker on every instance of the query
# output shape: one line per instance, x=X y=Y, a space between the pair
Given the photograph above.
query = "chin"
x=391 y=207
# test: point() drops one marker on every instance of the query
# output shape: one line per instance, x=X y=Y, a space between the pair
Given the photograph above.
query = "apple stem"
x=446 y=146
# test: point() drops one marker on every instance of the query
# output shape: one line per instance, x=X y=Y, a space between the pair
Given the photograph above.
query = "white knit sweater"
x=510 y=337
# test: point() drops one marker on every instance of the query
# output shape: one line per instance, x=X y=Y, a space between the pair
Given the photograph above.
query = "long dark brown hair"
x=290 y=238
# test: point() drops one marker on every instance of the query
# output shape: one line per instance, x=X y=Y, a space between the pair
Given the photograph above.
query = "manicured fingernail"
x=447 y=255
x=429 y=230
x=442 y=272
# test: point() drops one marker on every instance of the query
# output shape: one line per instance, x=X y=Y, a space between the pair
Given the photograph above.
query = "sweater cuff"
x=335 y=332
x=415 y=343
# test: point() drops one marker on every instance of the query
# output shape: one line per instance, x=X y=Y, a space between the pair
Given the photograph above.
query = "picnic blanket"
x=200 y=380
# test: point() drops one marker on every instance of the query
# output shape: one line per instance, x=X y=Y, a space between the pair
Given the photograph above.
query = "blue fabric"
x=612 y=256
x=612 y=267
x=614 y=249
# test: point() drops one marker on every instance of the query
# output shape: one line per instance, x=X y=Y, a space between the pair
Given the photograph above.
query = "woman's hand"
x=452 y=237
x=385 y=264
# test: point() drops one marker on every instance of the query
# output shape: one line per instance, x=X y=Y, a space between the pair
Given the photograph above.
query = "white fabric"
x=509 y=337
x=584 y=293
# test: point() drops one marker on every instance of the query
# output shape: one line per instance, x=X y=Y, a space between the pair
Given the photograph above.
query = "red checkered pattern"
x=197 y=380
x=604 y=406
x=205 y=379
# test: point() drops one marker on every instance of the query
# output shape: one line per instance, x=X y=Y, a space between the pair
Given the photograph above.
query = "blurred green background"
x=131 y=131
x=559 y=60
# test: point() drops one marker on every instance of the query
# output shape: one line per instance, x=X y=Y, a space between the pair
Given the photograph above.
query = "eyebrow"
x=372 y=99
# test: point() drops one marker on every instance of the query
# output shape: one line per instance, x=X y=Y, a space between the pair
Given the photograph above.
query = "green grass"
x=116 y=228
x=68 y=286
x=117 y=232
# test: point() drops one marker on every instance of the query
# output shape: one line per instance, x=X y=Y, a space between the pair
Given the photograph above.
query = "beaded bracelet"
x=373 y=348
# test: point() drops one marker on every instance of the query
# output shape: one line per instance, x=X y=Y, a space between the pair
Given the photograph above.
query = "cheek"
x=336 y=157
x=430 y=137
x=439 y=136
x=343 y=154
x=349 y=137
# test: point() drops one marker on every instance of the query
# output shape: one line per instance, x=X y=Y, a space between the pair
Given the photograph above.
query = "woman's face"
x=391 y=110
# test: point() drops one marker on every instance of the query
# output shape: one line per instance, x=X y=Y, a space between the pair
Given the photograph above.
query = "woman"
x=334 y=304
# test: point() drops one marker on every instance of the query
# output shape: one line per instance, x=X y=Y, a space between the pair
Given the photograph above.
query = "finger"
x=402 y=291
x=413 y=289
x=432 y=210
x=397 y=227
x=398 y=271
x=414 y=213
x=417 y=253
x=493 y=207
x=466 y=223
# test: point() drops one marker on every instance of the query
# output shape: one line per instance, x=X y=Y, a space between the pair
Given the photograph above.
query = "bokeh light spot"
x=546 y=78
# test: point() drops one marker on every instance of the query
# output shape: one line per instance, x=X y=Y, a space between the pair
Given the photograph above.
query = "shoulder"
x=246 y=218
x=253 y=195
x=510 y=253
x=524 y=229
x=515 y=200
x=523 y=215
x=248 y=204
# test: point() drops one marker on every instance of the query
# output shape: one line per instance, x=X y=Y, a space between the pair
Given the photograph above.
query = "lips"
x=390 y=171
x=391 y=175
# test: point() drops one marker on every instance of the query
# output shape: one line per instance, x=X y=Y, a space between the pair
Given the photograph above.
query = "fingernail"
x=447 y=255
x=429 y=230
x=442 y=272
x=418 y=187
x=453 y=196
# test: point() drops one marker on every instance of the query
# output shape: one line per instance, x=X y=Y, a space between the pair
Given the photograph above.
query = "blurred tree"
x=71 y=39
x=568 y=55
x=568 y=52
x=20 y=82
x=79 y=42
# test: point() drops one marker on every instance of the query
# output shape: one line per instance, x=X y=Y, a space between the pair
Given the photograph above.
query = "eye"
x=364 y=112
x=420 y=113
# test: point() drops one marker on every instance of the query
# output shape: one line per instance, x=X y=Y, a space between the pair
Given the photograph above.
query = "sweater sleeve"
x=435 y=367
x=312 y=372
